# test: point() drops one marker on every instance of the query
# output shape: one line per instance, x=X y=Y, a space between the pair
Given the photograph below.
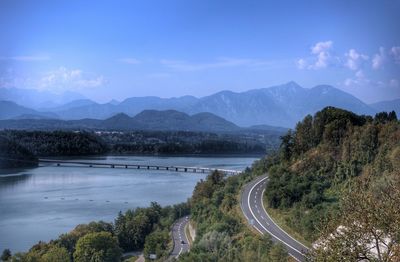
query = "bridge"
x=188 y=169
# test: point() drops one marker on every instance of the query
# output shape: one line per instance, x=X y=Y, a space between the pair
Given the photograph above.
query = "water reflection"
x=41 y=203
x=13 y=179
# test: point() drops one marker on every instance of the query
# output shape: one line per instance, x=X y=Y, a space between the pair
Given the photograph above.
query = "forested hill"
x=57 y=143
x=335 y=169
x=13 y=155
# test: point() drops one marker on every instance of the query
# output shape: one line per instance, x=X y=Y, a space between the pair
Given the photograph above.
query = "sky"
x=117 y=49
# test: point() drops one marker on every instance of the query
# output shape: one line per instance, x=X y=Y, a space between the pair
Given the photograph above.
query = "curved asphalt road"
x=178 y=235
x=253 y=209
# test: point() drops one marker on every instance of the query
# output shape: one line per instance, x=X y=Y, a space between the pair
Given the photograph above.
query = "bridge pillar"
x=148 y=167
x=126 y=166
x=158 y=168
x=185 y=169
x=112 y=166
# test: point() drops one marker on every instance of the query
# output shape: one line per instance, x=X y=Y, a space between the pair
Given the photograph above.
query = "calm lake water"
x=41 y=203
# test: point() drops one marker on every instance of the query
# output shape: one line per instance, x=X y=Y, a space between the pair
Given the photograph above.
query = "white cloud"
x=395 y=52
x=360 y=74
x=322 y=60
x=359 y=79
x=379 y=59
x=355 y=59
x=348 y=82
x=302 y=63
x=321 y=57
x=26 y=58
x=69 y=79
x=129 y=60
x=394 y=83
x=321 y=47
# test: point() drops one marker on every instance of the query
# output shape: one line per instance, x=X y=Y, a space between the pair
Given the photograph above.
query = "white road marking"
x=251 y=211
x=262 y=203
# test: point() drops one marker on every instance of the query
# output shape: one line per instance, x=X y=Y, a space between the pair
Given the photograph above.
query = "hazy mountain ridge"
x=36 y=99
x=387 y=106
x=282 y=105
x=9 y=109
x=146 y=120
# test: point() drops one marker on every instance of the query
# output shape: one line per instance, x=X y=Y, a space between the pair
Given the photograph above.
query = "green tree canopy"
x=97 y=247
x=6 y=255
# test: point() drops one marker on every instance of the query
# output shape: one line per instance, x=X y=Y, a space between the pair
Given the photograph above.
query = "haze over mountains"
x=37 y=99
x=148 y=120
x=282 y=105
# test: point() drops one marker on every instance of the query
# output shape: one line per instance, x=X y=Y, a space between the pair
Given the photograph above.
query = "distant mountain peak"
x=290 y=87
x=119 y=116
x=324 y=88
x=293 y=84
x=387 y=106
x=114 y=102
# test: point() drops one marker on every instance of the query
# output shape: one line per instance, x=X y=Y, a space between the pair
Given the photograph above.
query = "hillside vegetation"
x=136 y=229
x=222 y=232
x=332 y=163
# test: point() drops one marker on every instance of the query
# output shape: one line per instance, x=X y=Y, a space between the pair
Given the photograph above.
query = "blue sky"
x=117 y=49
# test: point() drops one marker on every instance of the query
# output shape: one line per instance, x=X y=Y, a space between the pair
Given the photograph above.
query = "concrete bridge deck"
x=188 y=169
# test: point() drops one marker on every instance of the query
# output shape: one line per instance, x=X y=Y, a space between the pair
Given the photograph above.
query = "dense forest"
x=186 y=142
x=137 y=229
x=57 y=143
x=13 y=155
x=333 y=174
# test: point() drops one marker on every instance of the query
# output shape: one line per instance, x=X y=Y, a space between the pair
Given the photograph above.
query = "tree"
x=55 y=253
x=287 y=146
x=303 y=138
x=384 y=117
x=157 y=243
x=392 y=116
x=368 y=228
x=97 y=247
x=6 y=255
x=69 y=240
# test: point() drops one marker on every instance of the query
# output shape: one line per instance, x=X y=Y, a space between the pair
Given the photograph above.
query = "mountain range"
x=147 y=120
x=388 y=106
x=282 y=105
x=37 y=99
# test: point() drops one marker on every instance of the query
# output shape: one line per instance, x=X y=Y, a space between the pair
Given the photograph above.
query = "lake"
x=43 y=202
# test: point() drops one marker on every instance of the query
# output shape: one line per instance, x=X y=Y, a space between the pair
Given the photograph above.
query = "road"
x=253 y=208
x=179 y=235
